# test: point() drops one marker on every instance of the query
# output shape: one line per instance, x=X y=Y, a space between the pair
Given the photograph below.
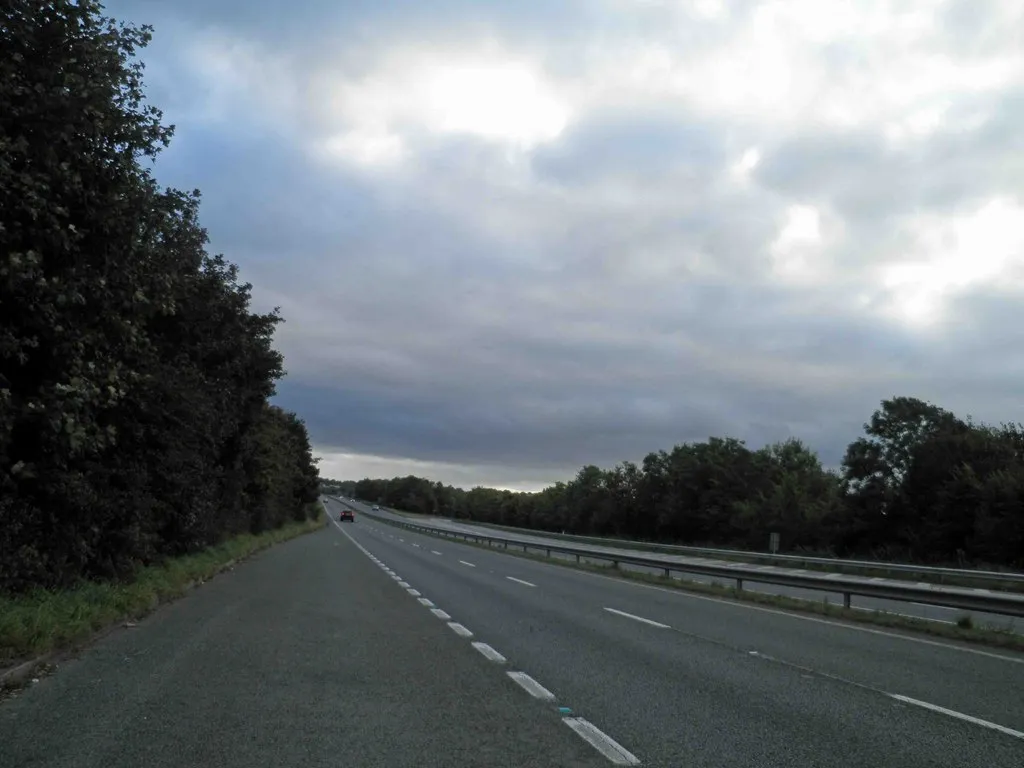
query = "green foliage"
x=134 y=377
x=43 y=620
x=922 y=486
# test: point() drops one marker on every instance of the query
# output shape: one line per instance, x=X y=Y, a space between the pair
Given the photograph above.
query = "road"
x=365 y=645
x=686 y=680
x=307 y=655
x=916 y=610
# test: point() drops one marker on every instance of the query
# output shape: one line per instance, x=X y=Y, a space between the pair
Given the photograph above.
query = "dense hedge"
x=920 y=485
x=134 y=377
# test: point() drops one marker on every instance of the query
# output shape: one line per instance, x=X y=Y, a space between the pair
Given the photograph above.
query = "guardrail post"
x=577 y=557
x=668 y=573
x=739 y=585
x=549 y=551
x=846 y=599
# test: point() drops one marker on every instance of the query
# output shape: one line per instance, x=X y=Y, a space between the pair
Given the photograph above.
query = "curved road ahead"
x=917 y=610
x=686 y=680
x=363 y=645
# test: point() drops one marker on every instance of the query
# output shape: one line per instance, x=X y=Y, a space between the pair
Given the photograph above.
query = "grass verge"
x=964 y=630
x=45 y=621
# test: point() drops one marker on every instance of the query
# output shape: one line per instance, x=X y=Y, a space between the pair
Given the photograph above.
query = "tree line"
x=921 y=485
x=135 y=379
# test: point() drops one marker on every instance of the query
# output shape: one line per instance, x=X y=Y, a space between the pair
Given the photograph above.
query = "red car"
x=347 y=514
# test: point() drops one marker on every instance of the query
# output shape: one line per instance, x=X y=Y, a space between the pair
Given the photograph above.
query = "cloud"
x=513 y=238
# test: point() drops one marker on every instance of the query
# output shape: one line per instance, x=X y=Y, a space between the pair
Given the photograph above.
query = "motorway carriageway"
x=937 y=613
x=674 y=679
x=364 y=645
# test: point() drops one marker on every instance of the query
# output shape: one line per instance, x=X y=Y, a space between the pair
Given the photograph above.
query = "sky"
x=513 y=238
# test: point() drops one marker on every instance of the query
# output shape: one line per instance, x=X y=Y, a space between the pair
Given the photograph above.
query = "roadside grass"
x=964 y=630
x=44 y=621
x=757 y=558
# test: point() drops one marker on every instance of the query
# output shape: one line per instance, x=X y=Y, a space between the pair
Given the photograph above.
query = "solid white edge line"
x=520 y=581
x=489 y=653
x=602 y=742
x=465 y=563
x=936 y=607
x=425 y=602
x=638 y=618
x=531 y=686
x=459 y=630
x=958 y=715
x=414 y=592
x=909 y=615
x=440 y=614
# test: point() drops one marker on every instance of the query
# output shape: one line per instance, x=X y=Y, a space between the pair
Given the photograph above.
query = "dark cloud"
x=507 y=315
x=868 y=179
x=632 y=146
x=352 y=32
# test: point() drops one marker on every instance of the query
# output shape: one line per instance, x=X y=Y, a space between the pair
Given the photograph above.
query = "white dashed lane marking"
x=607 y=746
x=531 y=686
x=958 y=715
x=520 y=581
x=602 y=742
x=638 y=618
x=489 y=653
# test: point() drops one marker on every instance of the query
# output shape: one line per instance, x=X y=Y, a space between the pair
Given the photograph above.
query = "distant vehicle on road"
x=376 y=508
x=347 y=514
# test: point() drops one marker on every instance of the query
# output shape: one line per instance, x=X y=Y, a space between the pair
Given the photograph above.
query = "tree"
x=876 y=466
x=922 y=484
x=134 y=377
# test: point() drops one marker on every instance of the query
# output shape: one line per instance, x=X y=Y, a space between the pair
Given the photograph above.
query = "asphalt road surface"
x=684 y=680
x=917 y=610
x=307 y=655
